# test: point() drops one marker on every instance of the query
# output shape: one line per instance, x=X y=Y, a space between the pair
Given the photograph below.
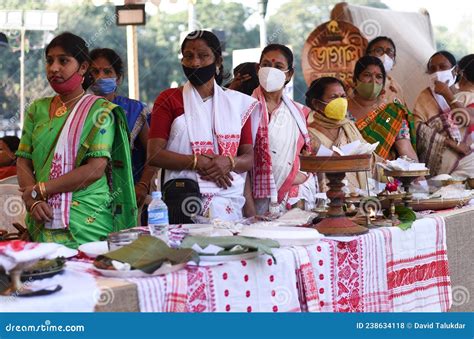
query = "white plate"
x=230 y=257
x=199 y=229
x=286 y=236
x=94 y=249
x=164 y=269
x=66 y=252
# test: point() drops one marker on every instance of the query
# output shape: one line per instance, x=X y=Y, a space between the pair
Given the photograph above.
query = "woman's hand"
x=249 y=209
x=42 y=212
x=443 y=89
x=26 y=196
x=217 y=169
x=141 y=193
x=460 y=148
x=238 y=80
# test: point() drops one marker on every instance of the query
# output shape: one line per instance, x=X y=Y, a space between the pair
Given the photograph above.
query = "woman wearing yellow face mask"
x=391 y=124
x=328 y=124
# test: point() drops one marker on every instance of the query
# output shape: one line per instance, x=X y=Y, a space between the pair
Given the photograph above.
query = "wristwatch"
x=34 y=193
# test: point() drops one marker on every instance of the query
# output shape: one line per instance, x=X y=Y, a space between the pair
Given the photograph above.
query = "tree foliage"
x=159 y=41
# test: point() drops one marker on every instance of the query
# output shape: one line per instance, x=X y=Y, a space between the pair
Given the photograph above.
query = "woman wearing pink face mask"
x=276 y=182
x=442 y=122
x=74 y=156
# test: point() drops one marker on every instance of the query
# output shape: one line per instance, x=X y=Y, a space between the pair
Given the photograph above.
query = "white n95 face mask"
x=271 y=79
x=387 y=62
x=444 y=76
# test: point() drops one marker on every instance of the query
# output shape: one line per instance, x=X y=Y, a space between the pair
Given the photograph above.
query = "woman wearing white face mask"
x=384 y=48
x=442 y=122
x=281 y=137
x=329 y=126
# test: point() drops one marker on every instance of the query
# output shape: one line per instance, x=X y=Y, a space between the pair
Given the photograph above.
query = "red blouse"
x=7 y=171
x=169 y=105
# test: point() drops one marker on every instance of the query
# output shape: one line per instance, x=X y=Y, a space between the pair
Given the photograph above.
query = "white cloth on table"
x=351 y=274
x=306 y=281
x=16 y=252
x=257 y=285
x=417 y=267
x=79 y=293
x=166 y=293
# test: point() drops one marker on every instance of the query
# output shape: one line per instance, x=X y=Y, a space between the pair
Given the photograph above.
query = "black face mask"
x=199 y=76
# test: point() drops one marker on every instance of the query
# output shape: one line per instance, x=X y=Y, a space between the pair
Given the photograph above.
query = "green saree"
x=105 y=206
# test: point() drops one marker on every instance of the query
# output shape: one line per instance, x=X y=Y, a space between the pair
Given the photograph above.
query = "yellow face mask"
x=336 y=109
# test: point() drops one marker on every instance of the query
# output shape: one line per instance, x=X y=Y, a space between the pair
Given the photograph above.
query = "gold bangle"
x=452 y=102
x=195 y=161
x=42 y=189
x=35 y=204
x=232 y=162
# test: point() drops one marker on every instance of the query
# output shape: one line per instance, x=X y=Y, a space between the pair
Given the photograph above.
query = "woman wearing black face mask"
x=202 y=133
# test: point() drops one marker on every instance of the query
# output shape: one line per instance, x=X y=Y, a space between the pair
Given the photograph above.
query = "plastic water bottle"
x=274 y=208
x=158 y=221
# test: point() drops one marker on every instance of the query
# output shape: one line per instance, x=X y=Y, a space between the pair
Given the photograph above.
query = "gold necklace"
x=60 y=111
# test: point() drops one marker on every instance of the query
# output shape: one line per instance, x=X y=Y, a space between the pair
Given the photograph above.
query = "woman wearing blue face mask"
x=108 y=71
x=443 y=121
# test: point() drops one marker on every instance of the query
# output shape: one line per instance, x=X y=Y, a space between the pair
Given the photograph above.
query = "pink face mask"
x=69 y=85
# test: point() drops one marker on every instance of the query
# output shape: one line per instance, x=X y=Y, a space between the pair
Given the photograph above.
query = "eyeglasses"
x=379 y=51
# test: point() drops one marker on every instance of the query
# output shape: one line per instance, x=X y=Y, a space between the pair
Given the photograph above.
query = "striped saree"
x=383 y=125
